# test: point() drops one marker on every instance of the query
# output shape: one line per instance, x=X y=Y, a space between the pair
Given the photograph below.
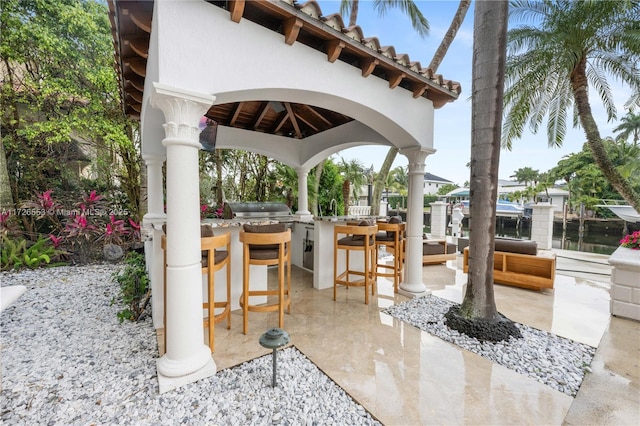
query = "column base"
x=302 y=216
x=167 y=383
x=413 y=290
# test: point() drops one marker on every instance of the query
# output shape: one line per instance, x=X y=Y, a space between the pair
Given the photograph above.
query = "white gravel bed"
x=550 y=359
x=67 y=360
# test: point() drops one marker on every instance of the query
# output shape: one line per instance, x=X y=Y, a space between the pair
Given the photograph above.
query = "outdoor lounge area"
x=399 y=374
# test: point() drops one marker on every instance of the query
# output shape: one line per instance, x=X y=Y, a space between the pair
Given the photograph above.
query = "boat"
x=622 y=210
x=503 y=208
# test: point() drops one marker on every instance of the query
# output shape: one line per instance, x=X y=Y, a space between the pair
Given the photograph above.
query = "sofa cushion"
x=432 y=248
x=516 y=246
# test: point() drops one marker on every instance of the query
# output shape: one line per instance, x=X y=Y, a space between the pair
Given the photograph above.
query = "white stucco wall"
x=204 y=51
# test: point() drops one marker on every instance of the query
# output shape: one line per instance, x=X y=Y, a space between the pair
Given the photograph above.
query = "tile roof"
x=131 y=22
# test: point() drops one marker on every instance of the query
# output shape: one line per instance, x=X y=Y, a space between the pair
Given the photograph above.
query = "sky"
x=452 y=132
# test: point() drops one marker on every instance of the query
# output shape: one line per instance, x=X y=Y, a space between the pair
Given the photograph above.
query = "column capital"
x=416 y=156
x=150 y=159
x=182 y=112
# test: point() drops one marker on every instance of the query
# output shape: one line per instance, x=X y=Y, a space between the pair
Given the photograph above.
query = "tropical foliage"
x=61 y=120
x=569 y=50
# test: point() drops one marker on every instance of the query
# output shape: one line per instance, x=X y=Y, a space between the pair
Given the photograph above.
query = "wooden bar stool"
x=266 y=245
x=392 y=238
x=213 y=260
x=362 y=238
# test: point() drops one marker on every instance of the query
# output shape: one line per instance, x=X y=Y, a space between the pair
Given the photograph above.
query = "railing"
x=359 y=210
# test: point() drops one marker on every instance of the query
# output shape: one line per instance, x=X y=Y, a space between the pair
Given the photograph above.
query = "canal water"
x=599 y=236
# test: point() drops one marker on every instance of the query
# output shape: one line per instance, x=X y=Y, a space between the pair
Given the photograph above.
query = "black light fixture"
x=208 y=136
x=273 y=339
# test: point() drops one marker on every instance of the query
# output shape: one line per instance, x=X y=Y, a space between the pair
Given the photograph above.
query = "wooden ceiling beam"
x=320 y=116
x=307 y=122
x=236 y=113
x=236 y=9
x=280 y=123
x=291 y=28
x=258 y=119
x=292 y=117
x=334 y=48
x=368 y=65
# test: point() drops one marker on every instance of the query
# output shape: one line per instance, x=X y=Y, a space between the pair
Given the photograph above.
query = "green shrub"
x=15 y=254
x=135 y=291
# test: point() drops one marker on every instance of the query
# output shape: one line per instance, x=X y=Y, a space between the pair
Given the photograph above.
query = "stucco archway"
x=179 y=60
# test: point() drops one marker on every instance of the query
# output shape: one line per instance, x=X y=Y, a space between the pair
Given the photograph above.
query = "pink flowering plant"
x=631 y=241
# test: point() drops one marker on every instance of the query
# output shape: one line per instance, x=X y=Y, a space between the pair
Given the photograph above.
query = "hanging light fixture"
x=208 y=136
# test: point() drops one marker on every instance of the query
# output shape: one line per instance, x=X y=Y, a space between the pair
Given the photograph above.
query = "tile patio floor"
x=405 y=376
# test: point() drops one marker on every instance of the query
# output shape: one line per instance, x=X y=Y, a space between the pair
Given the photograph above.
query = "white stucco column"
x=413 y=285
x=155 y=205
x=542 y=225
x=303 y=194
x=187 y=358
x=153 y=220
x=438 y=219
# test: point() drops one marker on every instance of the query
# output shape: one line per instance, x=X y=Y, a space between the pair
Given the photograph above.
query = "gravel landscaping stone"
x=67 y=360
x=550 y=359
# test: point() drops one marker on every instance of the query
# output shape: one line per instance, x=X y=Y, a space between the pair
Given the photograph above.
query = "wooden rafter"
x=140 y=18
x=307 y=122
x=236 y=9
x=334 y=48
x=140 y=46
x=320 y=116
x=236 y=113
x=368 y=65
x=395 y=77
x=138 y=66
x=280 y=123
x=291 y=28
x=294 y=122
x=418 y=89
x=258 y=119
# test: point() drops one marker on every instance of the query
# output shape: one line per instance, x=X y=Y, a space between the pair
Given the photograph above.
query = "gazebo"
x=280 y=79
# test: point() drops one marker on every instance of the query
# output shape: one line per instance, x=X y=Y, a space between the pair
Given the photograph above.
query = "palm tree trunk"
x=579 y=85
x=381 y=179
x=448 y=38
x=353 y=15
x=316 y=187
x=489 y=57
x=450 y=35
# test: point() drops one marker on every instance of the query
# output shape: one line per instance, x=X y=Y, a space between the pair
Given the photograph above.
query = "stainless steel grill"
x=256 y=210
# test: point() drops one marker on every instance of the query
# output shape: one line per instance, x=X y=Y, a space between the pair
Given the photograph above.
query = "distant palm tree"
x=448 y=38
x=629 y=126
x=552 y=65
x=353 y=173
x=526 y=175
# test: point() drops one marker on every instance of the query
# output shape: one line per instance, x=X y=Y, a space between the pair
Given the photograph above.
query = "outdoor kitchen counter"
x=323 y=249
x=319 y=231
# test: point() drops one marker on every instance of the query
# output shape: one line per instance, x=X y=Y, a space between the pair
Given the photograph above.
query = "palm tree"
x=629 y=126
x=526 y=175
x=551 y=67
x=418 y=21
x=353 y=173
x=448 y=38
x=489 y=56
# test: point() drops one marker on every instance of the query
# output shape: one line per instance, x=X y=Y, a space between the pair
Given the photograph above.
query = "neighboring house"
x=509 y=186
x=556 y=196
x=433 y=183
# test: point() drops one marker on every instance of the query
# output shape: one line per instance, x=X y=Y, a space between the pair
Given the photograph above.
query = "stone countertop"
x=345 y=218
